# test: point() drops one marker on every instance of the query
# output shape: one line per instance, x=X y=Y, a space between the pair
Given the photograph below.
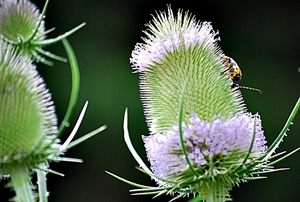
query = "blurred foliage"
x=262 y=36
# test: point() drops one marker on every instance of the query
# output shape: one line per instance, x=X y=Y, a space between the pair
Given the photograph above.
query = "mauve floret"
x=204 y=140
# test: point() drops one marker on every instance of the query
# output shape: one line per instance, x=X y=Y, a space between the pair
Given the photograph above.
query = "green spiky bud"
x=19 y=20
x=27 y=115
x=23 y=26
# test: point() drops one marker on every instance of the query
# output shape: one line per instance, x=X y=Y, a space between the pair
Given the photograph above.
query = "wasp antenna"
x=249 y=88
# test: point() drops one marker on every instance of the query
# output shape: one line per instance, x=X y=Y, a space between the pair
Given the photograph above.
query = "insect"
x=235 y=74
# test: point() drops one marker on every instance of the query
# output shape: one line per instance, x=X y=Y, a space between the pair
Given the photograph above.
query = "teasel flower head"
x=202 y=141
x=23 y=26
x=29 y=132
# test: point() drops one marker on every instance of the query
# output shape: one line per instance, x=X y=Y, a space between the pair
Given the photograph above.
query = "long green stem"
x=216 y=192
x=20 y=182
x=42 y=184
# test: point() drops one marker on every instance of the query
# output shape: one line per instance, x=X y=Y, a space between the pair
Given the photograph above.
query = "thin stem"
x=75 y=86
x=42 y=185
x=180 y=131
x=279 y=138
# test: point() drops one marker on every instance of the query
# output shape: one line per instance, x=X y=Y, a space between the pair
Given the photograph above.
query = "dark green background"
x=262 y=36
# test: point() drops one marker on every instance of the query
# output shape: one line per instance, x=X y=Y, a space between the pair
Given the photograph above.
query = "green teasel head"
x=20 y=21
x=27 y=119
x=22 y=25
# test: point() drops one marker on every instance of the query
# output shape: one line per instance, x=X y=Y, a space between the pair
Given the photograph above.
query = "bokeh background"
x=262 y=36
